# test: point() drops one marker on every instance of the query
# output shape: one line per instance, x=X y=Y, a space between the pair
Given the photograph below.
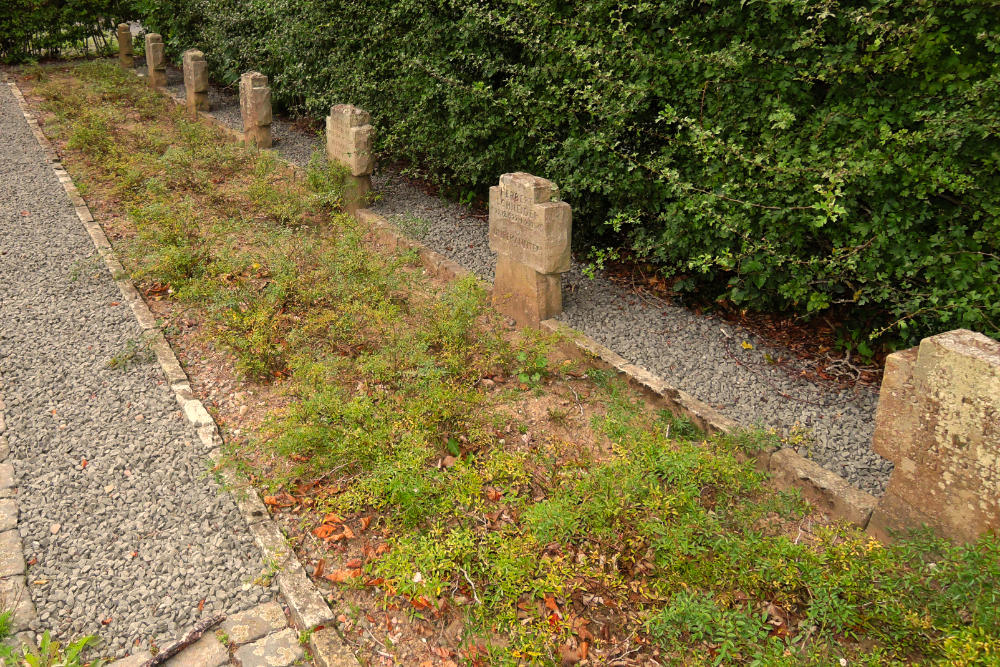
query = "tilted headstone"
x=938 y=421
x=255 y=107
x=125 y=57
x=195 y=81
x=349 y=139
x=156 y=63
x=530 y=232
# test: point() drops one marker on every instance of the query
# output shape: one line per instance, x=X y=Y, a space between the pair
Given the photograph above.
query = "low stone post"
x=195 y=81
x=938 y=421
x=255 y=107
x=530 y=232
x=125 y=57
x=156 y=63
x=349 y=139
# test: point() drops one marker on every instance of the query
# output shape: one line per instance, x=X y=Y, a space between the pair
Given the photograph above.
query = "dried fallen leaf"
x=420 y=602
x=365 y=522
x=493 y=494
x=353 y=564
x=201 y=605
x=550 y=602
x=377 y=581
x=83 y=463
x=332 y=518
x=339 y=576
x=348 y=533
x=324 y=532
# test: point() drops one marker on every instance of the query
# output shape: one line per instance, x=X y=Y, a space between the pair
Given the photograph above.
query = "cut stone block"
x=206 y=652
x=8 y=514
x=125 y=56
x=349 y=136
x=530 y=230
x=255 y=108
x=156 y=63
x=11 y=555
x=14 y=597
x=938 y=421
x=252 y=624
x=281 y=649
x=195 y=81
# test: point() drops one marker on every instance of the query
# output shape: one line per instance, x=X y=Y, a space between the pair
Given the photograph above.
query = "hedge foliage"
x=33 y=29
x=794 y=155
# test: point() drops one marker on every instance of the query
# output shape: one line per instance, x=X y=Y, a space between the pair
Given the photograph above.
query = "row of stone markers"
x=938 y=418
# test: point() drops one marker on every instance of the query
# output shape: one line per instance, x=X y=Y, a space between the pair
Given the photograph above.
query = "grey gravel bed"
x=697 y=353
x=126 y=528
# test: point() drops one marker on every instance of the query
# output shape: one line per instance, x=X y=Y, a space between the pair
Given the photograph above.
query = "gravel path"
x=124 y=528
x=697 y=353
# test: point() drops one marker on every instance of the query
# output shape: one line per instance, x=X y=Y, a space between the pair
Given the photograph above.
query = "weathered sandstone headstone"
x=938 y=421
x=530 y=232
x=349 y=139
x=255 y=107
x=125 y=57
x=156 y=63
x=195 y=81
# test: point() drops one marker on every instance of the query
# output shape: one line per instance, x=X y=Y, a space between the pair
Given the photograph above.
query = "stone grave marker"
x=195 y=81
x=125 y=56
x=349 y=139
x=156 y=63
x=938 y=421
x=255 y=107
x=530 y=232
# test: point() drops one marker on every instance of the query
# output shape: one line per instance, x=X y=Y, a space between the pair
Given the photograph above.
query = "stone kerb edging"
x=14 y=595
x=307 y=605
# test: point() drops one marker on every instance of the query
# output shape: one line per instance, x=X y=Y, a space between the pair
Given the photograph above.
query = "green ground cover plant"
x=831 y=157
x=407 y=410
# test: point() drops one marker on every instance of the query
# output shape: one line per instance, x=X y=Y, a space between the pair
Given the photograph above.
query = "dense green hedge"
x=34 y=29
x=786 y=154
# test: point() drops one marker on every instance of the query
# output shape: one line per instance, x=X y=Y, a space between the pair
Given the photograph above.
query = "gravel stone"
x=114 y=567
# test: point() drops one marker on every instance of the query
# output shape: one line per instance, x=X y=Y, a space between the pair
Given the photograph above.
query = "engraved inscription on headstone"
x=530 y=232
x=125 y=56
x=938 y=421
x=156 y=64
x=255 y=107
x=195 y=81
x=349 y=140
x=349 y=137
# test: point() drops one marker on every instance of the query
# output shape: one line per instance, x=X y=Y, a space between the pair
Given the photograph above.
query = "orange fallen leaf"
x=332 y=518
x=337 y=576
x=324 y=532
x=365 y=522
x=377 y=581
x=320 y=566
x=83 y=463
x=348 y=533
x=420 y=602
x=201 y=605
x=106 y=621
x=353 y=564
x=382 y=549
x=493 y=494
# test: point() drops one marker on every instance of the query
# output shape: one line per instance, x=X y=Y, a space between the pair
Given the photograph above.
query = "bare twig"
x=191 y=637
